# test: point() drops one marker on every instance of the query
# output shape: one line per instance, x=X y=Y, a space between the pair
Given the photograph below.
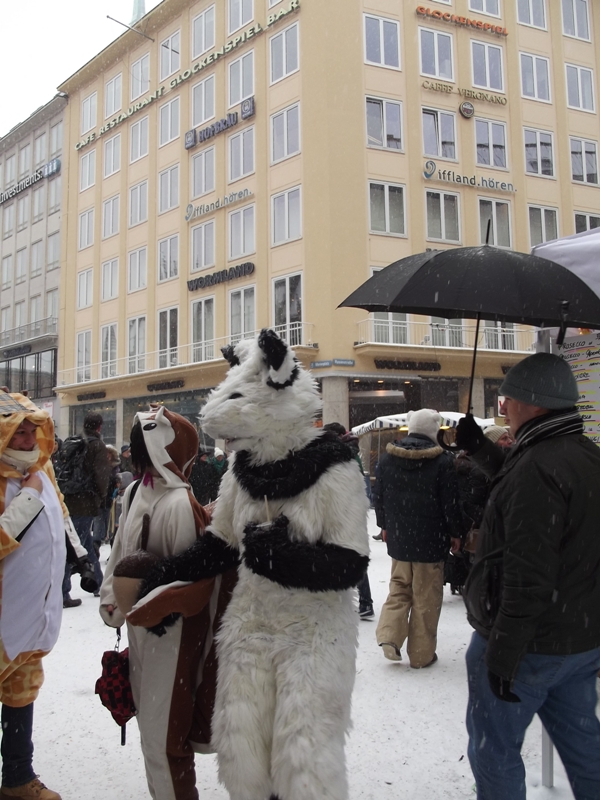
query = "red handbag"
x=114 y=688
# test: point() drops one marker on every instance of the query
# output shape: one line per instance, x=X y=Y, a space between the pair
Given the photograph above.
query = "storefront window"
x=108 y=409
x=188 y=404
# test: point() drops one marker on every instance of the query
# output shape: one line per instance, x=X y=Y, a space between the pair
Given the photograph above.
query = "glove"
x=469 y=436
x=88 y=579
x=501 y=688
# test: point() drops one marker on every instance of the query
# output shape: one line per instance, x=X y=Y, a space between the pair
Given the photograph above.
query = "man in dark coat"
x=416 y=501
x=533 y=594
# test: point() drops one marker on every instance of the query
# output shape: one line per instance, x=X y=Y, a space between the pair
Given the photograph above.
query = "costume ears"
x=279 y=357
x=230 y=356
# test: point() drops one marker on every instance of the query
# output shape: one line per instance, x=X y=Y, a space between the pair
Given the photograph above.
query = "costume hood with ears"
x=14 y=408
x=172 y=443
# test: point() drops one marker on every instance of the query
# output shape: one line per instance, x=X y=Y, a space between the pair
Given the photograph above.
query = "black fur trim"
x=274 y=348
x=274 y=385
x=230 y=356
x=299 y=565
x=293 y=474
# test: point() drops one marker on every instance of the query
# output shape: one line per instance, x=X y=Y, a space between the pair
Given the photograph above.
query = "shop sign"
x=49 y=169
x=165 y=385
x=222 y=276
x=431 y=172
x=319 y=364
x=343 y=362
x=193 y=137
x=193 y=212
x=414 y=366
x=119 y=118
x=467 y=109
x=462 y=22
x=14 y=352
x=474 y=94
x=91 y=396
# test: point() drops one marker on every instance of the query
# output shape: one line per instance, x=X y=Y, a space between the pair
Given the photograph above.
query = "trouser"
x=83 y=526
x=412 y=609
x=562 y=691
x=364 y=593
x=100 y=528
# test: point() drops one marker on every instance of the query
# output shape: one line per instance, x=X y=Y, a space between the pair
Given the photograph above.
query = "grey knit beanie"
x=543 y=380
x=494 y=432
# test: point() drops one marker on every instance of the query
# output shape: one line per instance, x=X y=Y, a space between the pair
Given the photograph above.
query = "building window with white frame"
x=203 y=172
x=85 y=283
x=539 y=158
x=24 y=160
x=52 y=304
x=138 y=204
x=242 y=314
x=35 y=311
x=40 y=149
x=112 y=96
x=491 y=7
x=284 y=53
x=580 y=88
x=584 y=161
x=168 y=258
x=110 y=280
x=382 y=41
x=439 y=133
x=442 y=216
x=287 y=308
x=168 y=189
x=274 y=3
x=386 y=203
x=56 y=136
x=203 y=246
x=86 y=229
x=10 y=171
x=384 y=123
x=487 y=66
x=535 y=77
x=137 y=270
x=21 y=271
x=87 y=170
x=88 y=113
x=543 y=224
x=586 y=222
x=203 y=329
x=532 y=12
x=6 y=318
x=241 y=79
x=110 y=217
x=241 y=154
x=140 y=76
x=139 y=139
x=576 y=21
x=241 y=12
x=53 y=251
x=37 y=259
x=286 y=216
x=490 y=142
x=20 y=314
x=496 y=214
x=84 y=356
x=108 y=356
x=203 y=32
x=136 y=344
x=167 y=337
x=112 y=155
x=170 y=55
x=54 y=194
x=436 y=54
x=39 y=202
x=7 y=270
x=203 y=101
x=169 y=122
x=241 y=232
x=285 y=133
x=22 y=212
x=8 y=221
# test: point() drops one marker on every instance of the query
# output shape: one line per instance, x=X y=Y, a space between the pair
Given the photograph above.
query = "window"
x=35 y=308
x=136 y=274
x=22 y=212
x=241 y=154
x=8 y=221
x=169 y=121
x=203 y=329
x=287 y=308
x=139 y=139
x=20 y=316
x=446 y=332
x=486 y=6
x=499 y=335
x=543 y=224
x=7 y=269
x=108 y=356
x=170 y=53
x=436 y=54
x=584 y=161
x=167 y=338
x=241 y=232
x=88 y=113
x=54 y=194
x=384 y=123
x=575 y=18
x=52 y=304
x=40 y=149
x=532 y=12
x=203 y=246
x=241 y=79
x=87 y=170
x=84 y=288
x=241 y=12
x=586 y=222
x=37 y=259
x=203 y=172
x=386 y=208
x=490 y=138
x=203 y=32
x=203 y=101
x=580 y=88
x=39 y=202
x=53 y=254
x=168 y=258
x=110 y=279
x=84 y=356
x=442 y=216
x=10 y=171
x=138 y=204
x=382 y=42
x=21 y=273
x=535 y=77
x=112 y=155
x=112 y=96
x=86 y=229
x=285 y=133
x=5 y=319
x=487 y=66
x=168 y=187
x=439 y=135
x=242 y=322
x=284 y=53
x=110 y=217
x=136 y=344
x=496 y=213
x=56 y=132
x=24 y=160
x=140 y=76
x=287 y=216
x=538 y=153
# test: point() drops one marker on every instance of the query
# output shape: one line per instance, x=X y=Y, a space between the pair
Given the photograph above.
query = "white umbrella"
x=579 y=254
x=449 y=419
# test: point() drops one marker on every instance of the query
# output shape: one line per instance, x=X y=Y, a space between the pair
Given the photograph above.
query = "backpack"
x=71 y=474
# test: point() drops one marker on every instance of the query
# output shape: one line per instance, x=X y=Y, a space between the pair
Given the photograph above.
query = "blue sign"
x=319 y=364
x=343 y=362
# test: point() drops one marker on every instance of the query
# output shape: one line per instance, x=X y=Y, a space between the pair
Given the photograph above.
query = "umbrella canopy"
x=579 y=253
x=449 y=419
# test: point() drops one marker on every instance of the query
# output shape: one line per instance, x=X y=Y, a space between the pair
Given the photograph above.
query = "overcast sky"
x=43 y=42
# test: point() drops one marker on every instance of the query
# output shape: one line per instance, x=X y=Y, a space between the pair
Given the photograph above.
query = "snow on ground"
x=408 y=741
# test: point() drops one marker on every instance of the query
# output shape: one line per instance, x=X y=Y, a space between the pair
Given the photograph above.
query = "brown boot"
x=34 y=790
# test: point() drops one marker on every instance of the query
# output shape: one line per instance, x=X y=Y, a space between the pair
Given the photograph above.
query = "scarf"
x=21 y=459
x=557 y=423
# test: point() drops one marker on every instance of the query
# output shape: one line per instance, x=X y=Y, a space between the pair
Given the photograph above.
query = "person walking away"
x=533 y=594
x=126 y=465
x=416 y=501
x=100 y=524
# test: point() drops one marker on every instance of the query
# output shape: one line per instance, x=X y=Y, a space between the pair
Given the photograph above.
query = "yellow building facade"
x=248 y=163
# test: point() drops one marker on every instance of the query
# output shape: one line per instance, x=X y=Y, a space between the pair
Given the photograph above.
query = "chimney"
x=139 y=10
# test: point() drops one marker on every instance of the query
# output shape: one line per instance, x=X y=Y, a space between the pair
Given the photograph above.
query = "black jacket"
x=88 y=504
x=416 y=500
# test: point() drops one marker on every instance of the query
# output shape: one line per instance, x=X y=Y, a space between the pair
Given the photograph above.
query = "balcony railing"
x=33 y=330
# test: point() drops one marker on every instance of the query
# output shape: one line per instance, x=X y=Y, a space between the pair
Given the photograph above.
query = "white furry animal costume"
x=292 y=510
